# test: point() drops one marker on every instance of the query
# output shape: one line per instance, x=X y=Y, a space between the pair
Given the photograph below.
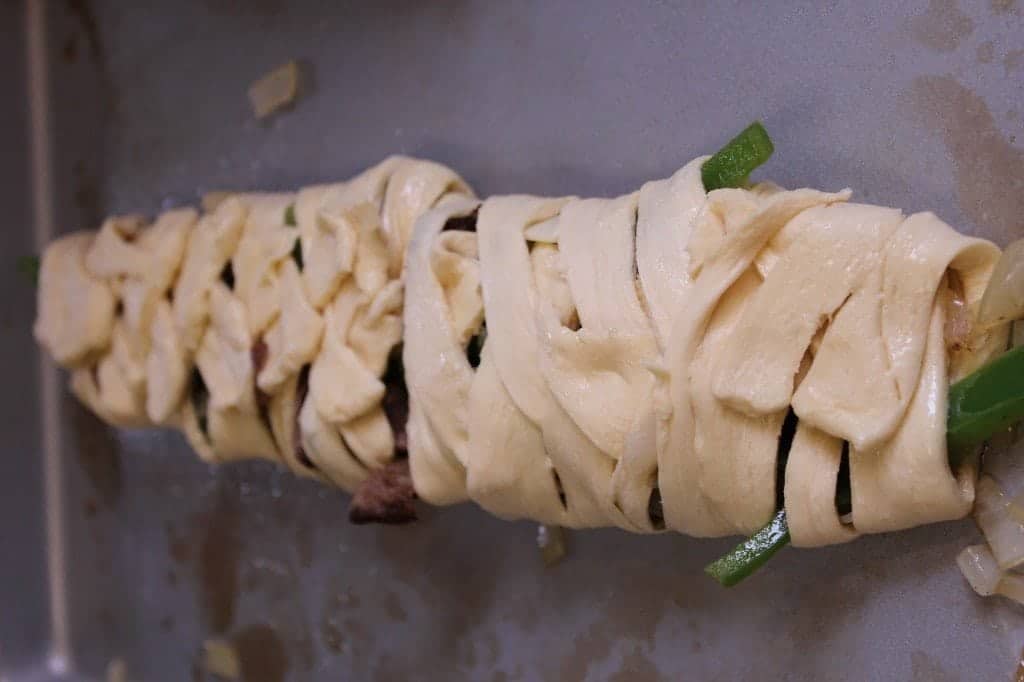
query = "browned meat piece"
x=463 y=223
x=386 y=496
x=396 y=407
x=958 y=315
x=258 y=355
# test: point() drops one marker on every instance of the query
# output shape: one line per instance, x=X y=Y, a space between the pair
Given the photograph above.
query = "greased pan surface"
x=912 y=104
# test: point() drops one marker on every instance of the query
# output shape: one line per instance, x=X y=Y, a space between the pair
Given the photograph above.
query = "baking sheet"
x=912 y=104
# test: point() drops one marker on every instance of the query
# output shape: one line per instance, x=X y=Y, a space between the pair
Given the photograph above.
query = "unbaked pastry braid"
x=640 y=362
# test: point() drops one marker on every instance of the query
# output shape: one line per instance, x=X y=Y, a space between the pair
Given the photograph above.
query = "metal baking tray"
x=121 y=545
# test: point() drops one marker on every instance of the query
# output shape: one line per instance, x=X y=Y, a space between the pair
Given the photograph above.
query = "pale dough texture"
x=625 y=362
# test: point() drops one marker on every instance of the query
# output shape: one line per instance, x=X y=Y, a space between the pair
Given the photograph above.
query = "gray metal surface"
x=24 y=600
x=911 y=104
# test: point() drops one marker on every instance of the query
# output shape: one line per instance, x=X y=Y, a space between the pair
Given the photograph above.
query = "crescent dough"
x=630 y=362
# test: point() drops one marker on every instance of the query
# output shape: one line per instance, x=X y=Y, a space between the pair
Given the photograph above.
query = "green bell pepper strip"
x=986 y=402
x=732 y=164
x=752 y=553
x=980 y=405
x=28 y=266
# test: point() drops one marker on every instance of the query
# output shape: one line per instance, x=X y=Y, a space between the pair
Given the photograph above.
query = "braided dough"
x=652 y=345
x=221 y=325
x=641 y=356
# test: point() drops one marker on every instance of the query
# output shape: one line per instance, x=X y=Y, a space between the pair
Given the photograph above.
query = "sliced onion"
x=1016 y=509
x=1004 y=532
x=275 y=90
x=1011 y=586
x=980 y=568
x=1004 y=461
x=1004 y=297
x=551 y=543
x=982 y=572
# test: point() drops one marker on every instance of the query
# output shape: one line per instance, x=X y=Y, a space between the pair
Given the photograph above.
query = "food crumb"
x=221 y=658
x=551 y=543
x=275 y=90
x=117 y=671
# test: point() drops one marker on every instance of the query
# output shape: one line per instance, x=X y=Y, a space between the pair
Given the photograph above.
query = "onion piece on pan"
x=220 y=658
x=982 y=572
x=980 y=568
x=551 y=544
x=275 y=90
x=1003 y=300
x=994 y=514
